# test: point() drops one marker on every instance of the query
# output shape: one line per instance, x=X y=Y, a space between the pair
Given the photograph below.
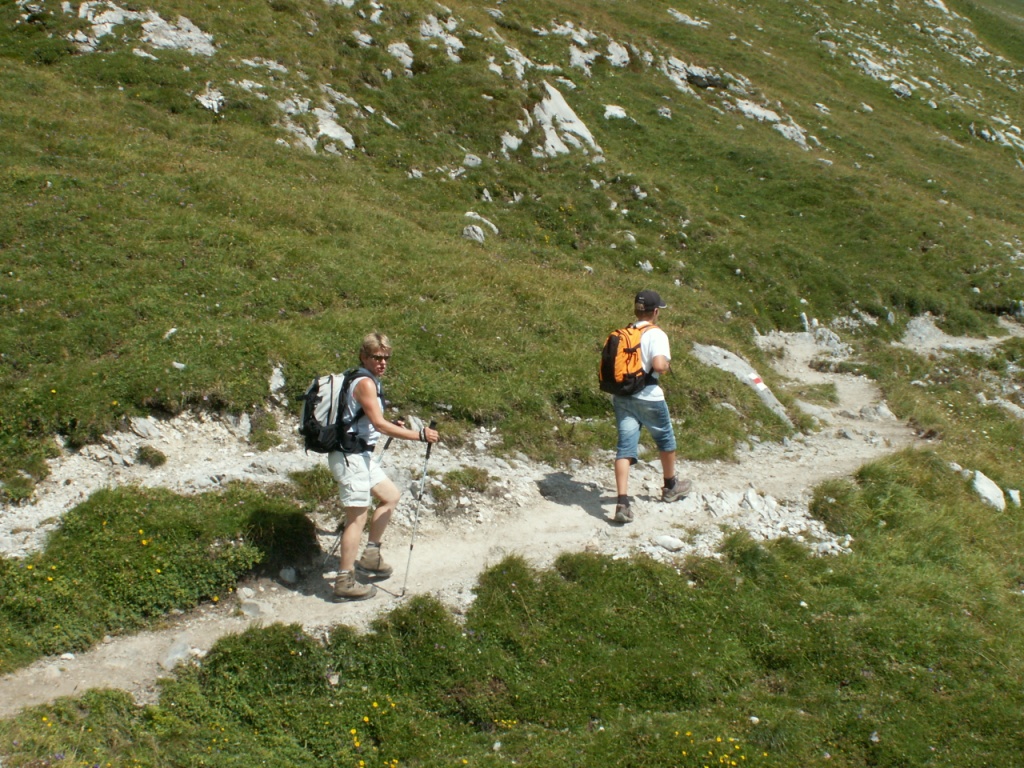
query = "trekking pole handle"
x=433 y=425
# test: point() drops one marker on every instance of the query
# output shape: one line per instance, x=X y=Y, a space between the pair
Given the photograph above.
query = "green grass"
x=457 y=482
x=123 y=559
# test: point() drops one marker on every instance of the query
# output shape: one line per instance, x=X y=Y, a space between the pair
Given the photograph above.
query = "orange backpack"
x=621 y=372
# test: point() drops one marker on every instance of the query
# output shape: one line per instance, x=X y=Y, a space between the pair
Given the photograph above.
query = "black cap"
x=648 y=301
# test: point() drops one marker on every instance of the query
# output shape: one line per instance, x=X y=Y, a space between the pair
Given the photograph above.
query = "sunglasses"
x=380 y=358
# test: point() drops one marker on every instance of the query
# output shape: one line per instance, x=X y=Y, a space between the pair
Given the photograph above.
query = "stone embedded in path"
x=823 y=415
x=145 y=428
x=671 y=543
x=177 y=653
x=877 y=412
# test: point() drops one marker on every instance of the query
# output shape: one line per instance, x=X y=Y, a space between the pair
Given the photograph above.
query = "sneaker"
x=623 y=514
x=676 y=492
x=346 y=588
x=372 y=564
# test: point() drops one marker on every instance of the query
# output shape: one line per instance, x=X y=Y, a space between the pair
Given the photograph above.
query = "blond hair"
x=374 y=343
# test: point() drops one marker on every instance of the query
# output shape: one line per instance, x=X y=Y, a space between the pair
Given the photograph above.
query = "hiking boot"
x=347 y=589
x=372 y=564
x=677 y=491
x=623 y=514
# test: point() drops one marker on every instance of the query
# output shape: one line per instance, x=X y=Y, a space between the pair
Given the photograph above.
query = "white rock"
x=403 y=53
x=671 y=543
x=475 y=233
x=879 y=412
x=277 y=382
x=477 y=217
x=431 y=27
x=901 y=90
x=618 y=54
x=560 y=125
x=989 y=492
x=184 y=35
x=177 y=653
x=687 y=19
x=211 y=99
x=144 y=427
x=328 y=126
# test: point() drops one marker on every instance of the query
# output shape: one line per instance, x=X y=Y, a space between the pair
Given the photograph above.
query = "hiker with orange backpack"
x=633 y=359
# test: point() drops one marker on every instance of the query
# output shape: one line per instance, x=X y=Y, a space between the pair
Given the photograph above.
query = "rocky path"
x=534 y=511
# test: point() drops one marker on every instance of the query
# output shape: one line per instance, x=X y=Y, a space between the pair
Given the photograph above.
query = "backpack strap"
x=345 y=425
x=650 y=377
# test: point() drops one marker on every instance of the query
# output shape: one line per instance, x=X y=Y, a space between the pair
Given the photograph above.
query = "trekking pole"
x=416 y=516
x=340 y=530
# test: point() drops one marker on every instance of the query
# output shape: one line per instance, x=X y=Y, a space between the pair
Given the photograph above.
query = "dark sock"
x=623 y=500
x=671 y=482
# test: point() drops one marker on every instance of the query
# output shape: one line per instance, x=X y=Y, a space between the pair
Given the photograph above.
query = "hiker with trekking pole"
x=359 y=423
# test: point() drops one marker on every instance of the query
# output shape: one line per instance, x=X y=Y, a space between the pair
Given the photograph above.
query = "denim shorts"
x=631 y=414
x=357 y=474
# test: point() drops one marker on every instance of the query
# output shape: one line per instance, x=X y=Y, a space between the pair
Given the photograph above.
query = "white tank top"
x=362 y=427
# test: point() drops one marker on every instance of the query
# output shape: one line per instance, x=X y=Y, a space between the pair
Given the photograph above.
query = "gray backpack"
x=321 y=425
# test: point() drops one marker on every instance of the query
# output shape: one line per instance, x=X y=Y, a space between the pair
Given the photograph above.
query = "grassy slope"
x=139 y=211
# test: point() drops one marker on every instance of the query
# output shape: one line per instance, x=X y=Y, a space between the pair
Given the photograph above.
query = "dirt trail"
x=536 y=511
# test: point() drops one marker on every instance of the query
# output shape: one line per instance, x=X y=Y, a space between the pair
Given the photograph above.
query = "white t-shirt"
x=653 y=343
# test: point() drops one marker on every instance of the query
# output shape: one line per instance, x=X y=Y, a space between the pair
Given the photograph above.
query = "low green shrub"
x=124 y=558
x=456 y=482
x=150 y=456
